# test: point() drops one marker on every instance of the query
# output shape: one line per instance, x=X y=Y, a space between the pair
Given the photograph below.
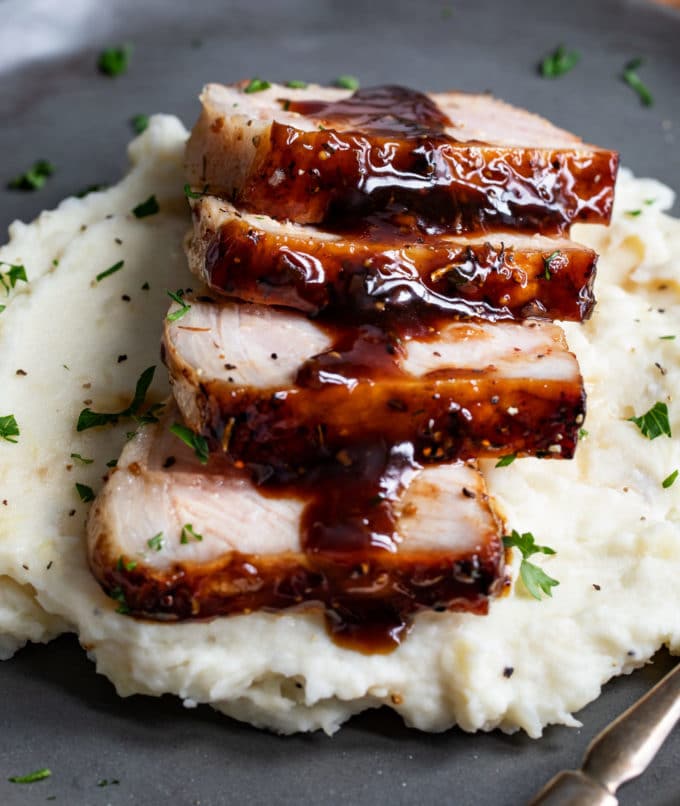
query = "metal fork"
x=623 y=750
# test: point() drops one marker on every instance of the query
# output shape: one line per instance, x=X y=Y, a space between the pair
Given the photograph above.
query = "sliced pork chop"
x=463 y=162
x=272 y=387
x=171 y=538
x=504 y=276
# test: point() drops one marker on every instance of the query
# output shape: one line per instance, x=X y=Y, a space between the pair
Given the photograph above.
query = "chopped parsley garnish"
x=16 y=274
x=548 y=264
x=86 y=493
x=667 y=338
x=119 y=595
x=92 y=419
x=534 y=578
x=112 y=463
x=9 y=428
x=504 y=461
x=194 y=194
x=178 y=297
x=111 y=270
x=106 y=782
x=114 y=61
x=634 y=81
x=81 y=459
x=140 y=123
x=669 y=480
x=125 y=565
x=146 y=208
x=633 y=213
x=155 y=542
x=89 y=189
x=196 y=442
x=347 y=82
x=34 y=178
x=189 y=534
x=257 y=85
x=582 y=433
x=559 y=62
x=31 y=777
x=655 y=422
x=296 y=84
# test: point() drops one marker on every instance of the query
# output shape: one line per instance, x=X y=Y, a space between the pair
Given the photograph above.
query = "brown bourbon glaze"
x=351 y=566
x=385 y=268
x=388 y=148
x=357 y=392
x=348 y=436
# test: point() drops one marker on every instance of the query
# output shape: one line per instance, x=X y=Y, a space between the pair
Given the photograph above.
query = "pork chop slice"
x=463 y=162
x=170 y=538
x=386 y=271
x=271 y=387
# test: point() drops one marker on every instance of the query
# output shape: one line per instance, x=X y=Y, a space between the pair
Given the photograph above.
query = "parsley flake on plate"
x=34 y=178
x=16 y=274
x=85 y=492
x=91 y=419
x=31 y=777
x=81 y=459
x=634 y=81
x=653 y=423
x=535 y=580
x=146 y=208
x=114 y=61
x=9 y=428
x=111 y=270
x=669 y=480
x=139 y=123
x=559 y=62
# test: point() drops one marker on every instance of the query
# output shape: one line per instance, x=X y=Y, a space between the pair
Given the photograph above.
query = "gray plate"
x=55 y=711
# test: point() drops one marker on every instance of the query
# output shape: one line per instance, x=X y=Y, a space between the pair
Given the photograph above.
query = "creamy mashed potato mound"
x=615 y=528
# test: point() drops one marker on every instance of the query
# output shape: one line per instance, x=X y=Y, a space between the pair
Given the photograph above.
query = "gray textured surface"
x=54 y=710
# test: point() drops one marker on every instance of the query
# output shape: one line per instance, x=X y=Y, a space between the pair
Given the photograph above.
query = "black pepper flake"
x=119 y=241
x=469 y=493
x=21 y=372
x=4 y=502
x=122 y=358
x=125 y=298
x=71 y=513
x=169 y=462
x=631 y=653
x=25 y=567
x=49 y=565
x=230 y=366
x=145 y=287
x=661 y=369
x=274 y=356
x=508 y=671
x=397 y=405
x=596 y=586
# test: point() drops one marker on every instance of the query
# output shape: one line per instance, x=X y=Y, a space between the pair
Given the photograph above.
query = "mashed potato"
x=67 y=341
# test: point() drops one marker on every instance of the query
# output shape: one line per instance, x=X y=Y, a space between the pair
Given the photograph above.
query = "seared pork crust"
x=464 y=163
x=249 y=548
x=388 y=270
x=272 y=388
